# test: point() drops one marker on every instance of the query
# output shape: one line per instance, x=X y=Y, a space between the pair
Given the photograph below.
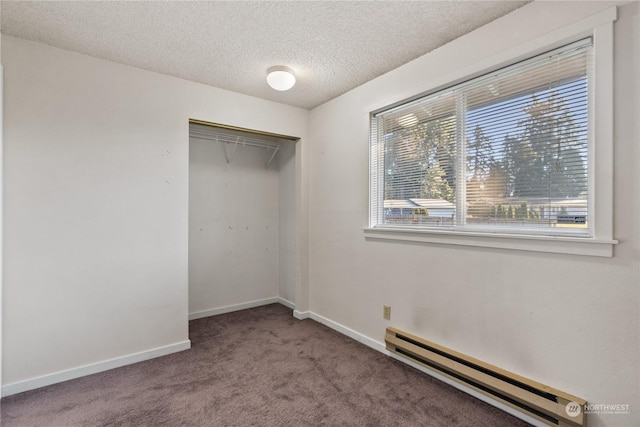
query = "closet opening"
x=242 y=218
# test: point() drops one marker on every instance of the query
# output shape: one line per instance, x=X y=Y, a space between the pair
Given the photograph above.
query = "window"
x=506 y=159
x=505 y=152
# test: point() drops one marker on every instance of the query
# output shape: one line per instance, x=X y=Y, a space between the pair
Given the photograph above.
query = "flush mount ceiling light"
x=281 y=77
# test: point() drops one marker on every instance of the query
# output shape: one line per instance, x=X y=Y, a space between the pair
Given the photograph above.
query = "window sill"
x=561 y=245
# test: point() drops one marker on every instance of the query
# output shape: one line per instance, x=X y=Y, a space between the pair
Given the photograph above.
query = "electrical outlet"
x=386 y=313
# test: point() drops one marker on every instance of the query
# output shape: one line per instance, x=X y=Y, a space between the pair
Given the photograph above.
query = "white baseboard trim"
x=301 y=315
x=286 y=303
x=93 y=368
x=236 y=307
x=376 y=345
x=381 y=347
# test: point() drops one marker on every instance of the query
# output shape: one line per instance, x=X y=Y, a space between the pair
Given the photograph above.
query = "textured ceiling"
x=333 y=46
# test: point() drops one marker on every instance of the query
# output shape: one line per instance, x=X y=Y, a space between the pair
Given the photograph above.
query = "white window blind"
x=508 y=152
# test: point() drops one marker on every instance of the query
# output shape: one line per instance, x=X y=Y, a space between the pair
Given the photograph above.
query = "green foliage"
x=480 y=159
x=420 y=161
x=545 y=158
x=549 y=142
x=542 y=157
x=522 y=211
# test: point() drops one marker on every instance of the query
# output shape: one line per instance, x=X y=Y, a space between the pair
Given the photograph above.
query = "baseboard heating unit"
x=544 y=403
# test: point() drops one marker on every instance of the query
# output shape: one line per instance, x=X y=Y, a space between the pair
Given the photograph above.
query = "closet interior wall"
x=241 y=220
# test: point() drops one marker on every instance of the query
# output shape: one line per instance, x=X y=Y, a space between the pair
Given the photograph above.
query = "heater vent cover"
x=551 y=406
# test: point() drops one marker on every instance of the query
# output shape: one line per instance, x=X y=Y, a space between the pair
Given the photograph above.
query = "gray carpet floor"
x=257 y=367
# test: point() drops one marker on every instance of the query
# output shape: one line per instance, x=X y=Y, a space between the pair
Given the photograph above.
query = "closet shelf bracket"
x=229 y=155
x=273 y=155
x=231 y=143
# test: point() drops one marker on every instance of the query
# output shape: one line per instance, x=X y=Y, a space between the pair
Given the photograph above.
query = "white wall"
x=286 y=163
x=96 y=208
x=568 y=321
x=239 y=223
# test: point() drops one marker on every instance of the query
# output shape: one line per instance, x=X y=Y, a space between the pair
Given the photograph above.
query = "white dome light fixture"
x=281 y=78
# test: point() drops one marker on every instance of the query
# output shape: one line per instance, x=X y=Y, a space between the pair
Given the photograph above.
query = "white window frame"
x=600 y=28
